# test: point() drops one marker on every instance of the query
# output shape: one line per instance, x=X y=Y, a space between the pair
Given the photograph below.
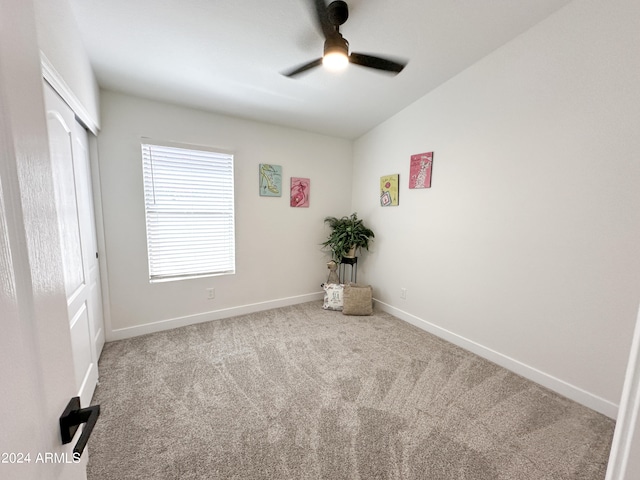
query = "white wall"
x=59 y=40
x=278 y=255
x=525 y=249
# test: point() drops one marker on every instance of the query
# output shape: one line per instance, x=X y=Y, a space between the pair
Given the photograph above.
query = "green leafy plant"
x=346 y=232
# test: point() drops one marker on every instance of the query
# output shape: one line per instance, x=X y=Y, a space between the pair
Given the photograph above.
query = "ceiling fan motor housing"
x=336 y=44
x=338 y=12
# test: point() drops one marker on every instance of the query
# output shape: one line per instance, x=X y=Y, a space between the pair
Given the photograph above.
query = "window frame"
x=164 y=205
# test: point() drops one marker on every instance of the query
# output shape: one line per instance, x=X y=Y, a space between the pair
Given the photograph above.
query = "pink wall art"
x=300 y=191
x=420 y=170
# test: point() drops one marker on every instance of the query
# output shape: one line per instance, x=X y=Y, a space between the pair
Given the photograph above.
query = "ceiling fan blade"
x=303 y=68
x=322 y=15
x=377 y=62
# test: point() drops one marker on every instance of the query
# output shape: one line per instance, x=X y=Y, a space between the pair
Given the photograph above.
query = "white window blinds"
x=189 y=212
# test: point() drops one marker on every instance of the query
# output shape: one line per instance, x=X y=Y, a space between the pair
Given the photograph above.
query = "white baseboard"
x=557 y=385
x=128 y=332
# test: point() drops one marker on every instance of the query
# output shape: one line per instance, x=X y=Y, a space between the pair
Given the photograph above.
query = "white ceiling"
x=226 y=56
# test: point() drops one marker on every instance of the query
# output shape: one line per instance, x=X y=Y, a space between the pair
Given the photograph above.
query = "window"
x=188 y=197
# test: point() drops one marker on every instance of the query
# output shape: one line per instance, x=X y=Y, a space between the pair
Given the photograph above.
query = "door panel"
x=70 y=165
x=90 y=243
x=96 y=317
x=82 y=353
x=61 y=148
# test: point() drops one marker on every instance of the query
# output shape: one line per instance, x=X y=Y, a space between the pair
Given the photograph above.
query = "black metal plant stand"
x=354 y=269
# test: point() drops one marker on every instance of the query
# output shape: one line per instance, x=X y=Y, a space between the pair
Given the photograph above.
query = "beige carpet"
x=302 y=393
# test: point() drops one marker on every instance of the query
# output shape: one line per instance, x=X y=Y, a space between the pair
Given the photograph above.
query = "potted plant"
x=347 y=234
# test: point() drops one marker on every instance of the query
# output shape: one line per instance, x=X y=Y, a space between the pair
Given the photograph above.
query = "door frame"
x=625 y=447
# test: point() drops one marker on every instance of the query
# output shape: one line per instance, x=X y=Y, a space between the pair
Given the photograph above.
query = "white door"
x=624 y=460
x=36 y=367
x=88 y=236
x=72 y=183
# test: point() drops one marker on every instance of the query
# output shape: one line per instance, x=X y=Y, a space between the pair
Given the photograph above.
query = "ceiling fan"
x=336 y=48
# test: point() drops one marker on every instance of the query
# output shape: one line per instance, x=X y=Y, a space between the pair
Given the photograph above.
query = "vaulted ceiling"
x=227 y=56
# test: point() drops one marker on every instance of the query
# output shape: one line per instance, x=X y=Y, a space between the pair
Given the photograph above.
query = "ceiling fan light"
x=335 y=60
x=336 y=53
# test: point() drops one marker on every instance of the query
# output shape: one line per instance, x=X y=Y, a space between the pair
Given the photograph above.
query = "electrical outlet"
x=403 y=293
x=211 y=293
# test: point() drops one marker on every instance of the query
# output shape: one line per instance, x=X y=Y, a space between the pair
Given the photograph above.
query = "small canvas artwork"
x=420 y=170
x=270 y=180
x=389 y=190
x=300 y=191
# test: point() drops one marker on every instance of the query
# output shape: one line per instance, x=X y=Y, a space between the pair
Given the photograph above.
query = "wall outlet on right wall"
x=403 y=293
